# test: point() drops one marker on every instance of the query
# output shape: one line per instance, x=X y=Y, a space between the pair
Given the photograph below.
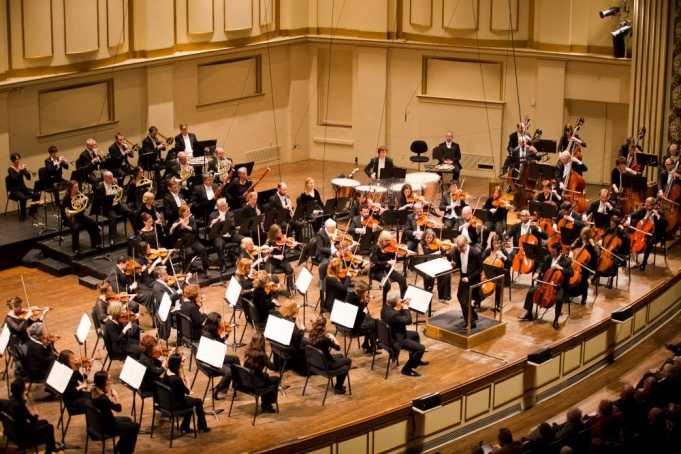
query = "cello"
x=579 y=260
x=521 y=264
x=489 y=287
x=606 y=262
x=639 y=239
x=547 y=293
x=574 y=183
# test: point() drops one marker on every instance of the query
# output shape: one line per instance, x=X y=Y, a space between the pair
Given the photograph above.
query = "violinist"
x=397 y=315
x=521 y=229
x=19 y=320
x=257 y=360
x=567 y=137
x=649 y=212
x=563 y=170
x=296 y=348
x=18 y=190
x=496 y=249
x=80 y=220
x=75 y=395
x=364 y=323
x=467 y=228
x=413 y=231
x=323 y=240
x=230 y=239
x=602 y=205
x=186 y=227
x=238 y=187
x=242 y=273
x=215 y=328
x=336 y=288
x=102 y=302
x=363 y=223
x=247 y=249
x=192 y=307
x=40 y=353
x=277 y=259
x=161 y=287
x=384 y=264
x=559 y=262
x=548 y=193
x=667 y=177
x=262 y=302
x=497 y=210
x=451 y=203
x=469 y=261
x=408 y=198
x=146 y=279
x=121 y=280
x=616 y=175
x=586 y=241
x=124 y=340
x=149 y=358
x=105 y=398
x=430 y=245
x=325 y=342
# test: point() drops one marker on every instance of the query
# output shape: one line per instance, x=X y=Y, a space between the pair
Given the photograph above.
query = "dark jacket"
x=39 y=358
x=398 y=322
x=454 y=154
x=154 y=371
x=534 y=230
x=474 y=268
x=191 y=310
x=323 y=244
x=179 y=142
x=372 y=167
x=660 y=224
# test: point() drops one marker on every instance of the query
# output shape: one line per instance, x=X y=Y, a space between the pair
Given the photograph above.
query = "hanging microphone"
x=296 y=145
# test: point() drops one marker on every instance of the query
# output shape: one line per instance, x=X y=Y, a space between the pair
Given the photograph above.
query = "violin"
x=156 y=253
x=606 y=262
x=48 y=339
x=445 y=245
x=252 y=274
x=223 y=328
x=352 y=258
x=123 y=297
x=459 y=195
x=160 y=351
x=172 y=280
x=271 y=286
x=84 y=362
x=400 y=249
x=337 y=236
x=264 y=249
x=370 y=222
x=423 y=220
x=347 y=271
x=547 y=293
x=30 y=312
x=133 y=266
x=283 y=241
x=475 y=222
x=499 y=202
x=127 y=316
x=581 y=257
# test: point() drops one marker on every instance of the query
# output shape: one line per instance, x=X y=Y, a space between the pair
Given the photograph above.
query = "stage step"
x=54 y=267
x=90 y=282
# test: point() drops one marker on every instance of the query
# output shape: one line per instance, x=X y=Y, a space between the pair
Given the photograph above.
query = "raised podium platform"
x=444 y=327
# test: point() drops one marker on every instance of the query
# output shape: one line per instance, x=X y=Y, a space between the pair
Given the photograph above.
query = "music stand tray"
x=304 y=210
x=247 y=165
x=540 y=172
x=601 y=220
x=395 y=217
x=250 y=225
x=635 y=182
x=535 y=252
x=335 y=206
x=367 y=241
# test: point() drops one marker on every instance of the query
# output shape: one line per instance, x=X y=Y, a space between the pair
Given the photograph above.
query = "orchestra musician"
x=496 y=248
x=616 y=175
x=548 y=193
x=567 y=212
x=106 y=192
x=469 y=261
x=182 y=172
x=121 y=281
x=192 y=307
x=586 y=239
x=563 y=171
x=40 y=353
x=262 y=302
x=384 y=264
x=357 y=229
x=566 y=138
x=524 y=227
x=247 y=248
x=19 y=320
x=296 y=348
x=137 y=185
x=124 y=340
x=397 y=315
x=672 y=152
x=310 y=194
x=80 y=220
x=186 y=141
x=602 y=205
x=618 y=230
x=627 y=148
x=522 y=155
x=650 y=211
x=251 y=210
x=171 y=202
x=325 y=341
x=75 y=394
x=185 y=227
x=55 y=165
x=155 y=367
x=105 y=398
x=119 y=153
x=221 y=165
x=203 y=192
x=230 y=238
x=430 y=245
x=160 y=289
x=515 y=137
x=276 y=259
x=148 y=232
x=102 y=302
x=281 y=201
x=90 y=159
x=215 y=329
x=666 y=177
x=336 y=287
x=17 y=188
x=323 y=239
x=453 y=157
x=497 y=211
x=465 y=226
x=146 y=278
x=452 y=203
x=413 y=232
x=150 y=156
x=364 y=323
x=148 y=207
x=243 y=269
x=554 y=260
x=408 y=198
x=238 y=187
x=382 y=162
x=257 y=360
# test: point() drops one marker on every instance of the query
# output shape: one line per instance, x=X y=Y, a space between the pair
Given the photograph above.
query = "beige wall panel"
x=294 y=14
x=622 y=331
x=464 y=80
x=159 y=28
x=477 y=403
x=500 y=15
x=572 y=359
x=435 y=420
x=266 y=11
x=421 y=12
x=238 y=14
x=640 y=319
x=617 y=116
x=595 y=347
x=37 y=28
x=461 y=14
x=227 y=81
x=547 y=372
x=662 y=303
x=594 y=82
x=550 y=96
x=81 y=25
x=336 y=87
x=355 y=445
x=391 y=436
x=58 y=115
x=369 y=125
x=4 y=43
x=593 y=132
x=160 y=99
x=552 y=21
x=358 y=15
x=579 y=20
x=508 y=390
x=115 y=22
x=200 y=17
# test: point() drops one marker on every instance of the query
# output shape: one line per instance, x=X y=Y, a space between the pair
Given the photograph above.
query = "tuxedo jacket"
x=179 y=142
x=199 y=194
x=564 y=262
x=660 y=224
x=55 y=171
x=534 y=230
x=149 y=146
x=456 y=154
x=595 y=204
x=474 y=266
x=372 y=167
x=85 y=160
x=170 y=207
x=512 y=142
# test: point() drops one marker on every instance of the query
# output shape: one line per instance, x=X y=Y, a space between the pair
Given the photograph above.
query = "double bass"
x=575 y=183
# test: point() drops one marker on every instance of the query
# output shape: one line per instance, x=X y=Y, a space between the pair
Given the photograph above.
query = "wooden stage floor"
x=302 y=417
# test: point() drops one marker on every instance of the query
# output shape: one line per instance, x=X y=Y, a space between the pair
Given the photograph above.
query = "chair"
x=664 y=250
x=317 y=363
x=63 y=407
x=11 y=435
x=385 y=341
x=7 y=184
x=185 y=334
x=110 y=355
x=348 y=334
x=98 y=330
x=211 y=373
x=94 y=424
x=323 y=270
x=245 y=381
x=165 y=404
x=20 y=355
x=284 y=356
x=258 y=325
x=419 y=147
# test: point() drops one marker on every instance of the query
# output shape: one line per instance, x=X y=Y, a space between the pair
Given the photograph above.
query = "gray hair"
x=392 y=298
x=574 y=414
x=36 y=331
x=221 y=201
x=160 y=271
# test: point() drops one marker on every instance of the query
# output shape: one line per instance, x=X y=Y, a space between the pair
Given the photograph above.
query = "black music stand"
x=202 y=145
x=540 y=172
x=251 y=226
x=181 y=245
x=546 y=146
x=646 y=159
x=367 y=241
x=333 y=207
x=535 y=252
x=304 y=210
x=568 y=236
x=96 y=208
x=395 y=218
x=448 y=234
x=203 y=210
x=275 y=217
x=602 y=220
x=440 y=154
x=492 y=271
x=40 y=187
x=396 y=173
x=247 y=165
x=219 y=229
x=264 y=196
x=417 y=260
x=544 y=210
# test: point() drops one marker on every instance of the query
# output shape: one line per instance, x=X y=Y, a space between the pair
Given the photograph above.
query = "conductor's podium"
x=445 y=327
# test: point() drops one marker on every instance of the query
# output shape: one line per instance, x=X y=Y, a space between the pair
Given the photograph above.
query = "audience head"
x=18 y=388
x=505 y=437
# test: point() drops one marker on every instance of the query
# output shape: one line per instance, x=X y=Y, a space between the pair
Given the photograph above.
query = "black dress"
x=28 y=426
x=181 y=401
x=74 y=399
x=336 y=361
x=124 y=427
x=336 y=289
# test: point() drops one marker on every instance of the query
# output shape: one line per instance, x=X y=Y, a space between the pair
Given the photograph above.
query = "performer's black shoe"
x=555 y=325
x=423 y=363
x=526 y=318
x=642 y=267
x=410 y=373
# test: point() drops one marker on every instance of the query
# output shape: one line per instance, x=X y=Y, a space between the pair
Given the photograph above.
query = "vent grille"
x=475 y=161
x=263 y=154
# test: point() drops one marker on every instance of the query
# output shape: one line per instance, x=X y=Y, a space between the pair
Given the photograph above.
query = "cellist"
x=495 y=249
x=548 y=193
x=672 y=152
x=568 y=213
x=586 y=240
x=602 y=205
x=616 y=240
x=559 y=262
x=616 y=175
x=649 y=212
x=522 y=228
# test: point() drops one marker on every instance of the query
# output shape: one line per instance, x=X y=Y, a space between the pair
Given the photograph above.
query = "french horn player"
x=108 y=197
x=73 y=208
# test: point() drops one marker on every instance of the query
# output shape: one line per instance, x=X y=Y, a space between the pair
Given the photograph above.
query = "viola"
x=499 y=202
x=521 y=264
x=127 y=316
x=579 y=256
x=547 y=293
x=271 y=286
x=156 y=253
x=347 y=271
x=30 y=312
x=160 y=351
x=370 y=223
x=48 y=339
x=436 y=245
x=133 y=266
x=223 y=328
x=252 y=274
x=283 y=241
x=488 y=287
x=392 y=247
x=172 y=280
x=123 y=297
x=264 y=249
x=606 y=262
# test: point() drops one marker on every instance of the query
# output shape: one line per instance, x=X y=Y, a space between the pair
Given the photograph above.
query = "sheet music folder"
x=279 y=330
x=344 y=314
x=435 y=268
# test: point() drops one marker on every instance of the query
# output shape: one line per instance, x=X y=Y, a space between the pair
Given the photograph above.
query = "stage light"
x=624 y=30
x=619 y=46
x=609 y=12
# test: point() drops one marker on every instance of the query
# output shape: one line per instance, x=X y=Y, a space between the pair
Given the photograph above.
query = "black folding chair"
x=95 y=428
x=317 y=363
x=385 y=341
x=165 y=404
x=243 y=380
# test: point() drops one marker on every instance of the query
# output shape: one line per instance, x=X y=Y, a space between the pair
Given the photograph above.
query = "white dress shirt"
x=210 y=195
x=188 y=146
x=464 y=259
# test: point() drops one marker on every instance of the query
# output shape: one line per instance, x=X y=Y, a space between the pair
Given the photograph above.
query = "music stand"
x=541 y=172
x=491 y=272
x=304 y=210
x=441 y=154
x=546 y=146
x=250 y=226
x=96 y=208
x=367 y=241
x=333 y=207
x=417 y=260
x=247 y=165
x=264 y=196
x=275 y=217
x=182 y=243
x=448 y=234
x=395 y=218
x=40 y=187
x=203 y=210
x=396 y=173
x=202 y=145
x=646 y=159
x=568 y=236
x=602 y=220
x=535 y=252
x=544 y=210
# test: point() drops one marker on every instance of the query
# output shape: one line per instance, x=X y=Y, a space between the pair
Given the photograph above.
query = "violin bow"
x=25 y=292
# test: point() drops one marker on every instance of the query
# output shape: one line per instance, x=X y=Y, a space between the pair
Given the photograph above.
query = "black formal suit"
x=512 y=142
x=85 y=161
x=39 y=358
x=403 y=339
x=323 y=243
x=564 y=142
x=659 y=234
x=236 y=191
x=624 y=151
x=27 y=426
x=663 y=180
x=80 y=221
x=364 y=324
x=180 y=145
x=295 y=227
x=473 y=272
x=356 y=223
x=233 y=239
x=121 y=344
x=372 y=167
x=109 y=210
x=159 y=290
x=191 y=310
x=150 y=156
x=263 y=305
x=543 y=267
x=118 y=162
x=200 y=195
x=455 y=155
x=410 y=230
x=473 y=235
x=170 y=207
x=560 y=169
x=336 y=289
x=121 y=283
x=594 y=205
x=193 y=248
x=445 y=205
x=55 y=171
x=516 y=233
x=577 y=223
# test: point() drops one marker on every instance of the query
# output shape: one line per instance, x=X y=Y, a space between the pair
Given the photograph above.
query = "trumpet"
x=23 y=167
x=168 y=140
x=78 y=204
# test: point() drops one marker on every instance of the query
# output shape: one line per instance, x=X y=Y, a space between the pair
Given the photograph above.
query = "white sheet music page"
x=133 y=372
x=83 y=328
x=434 y=267
x=344 y=313
x=164 y=308
x=304 y=280
x=420 y=299
x=233 y=291
x=4 y=338
x=211 y=352
x=279 y=330
x=59 y=376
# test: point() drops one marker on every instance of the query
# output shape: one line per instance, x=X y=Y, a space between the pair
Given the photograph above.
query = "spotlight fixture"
x=624 y=30
x=612 y=11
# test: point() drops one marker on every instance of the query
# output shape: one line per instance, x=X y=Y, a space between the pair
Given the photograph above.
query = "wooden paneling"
x=460 y=14
x=477 y=403
x=115 y=22
x=508 y=390
x=572 y=359
x=354 y=445
x=421 y=12
x=81 y=26
x=623 y=331
x=266 y=11
x=447 y=416
x=640 y=317
x=238 y=15
x=595 y=347
x=200 y=17
x=37 y=28
x=391 y=436
x=547 y=372
x=499 y=19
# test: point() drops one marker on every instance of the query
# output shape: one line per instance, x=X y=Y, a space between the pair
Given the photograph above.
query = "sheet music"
x=4 y=339
x=133 y=372
x=83 y=328
x=344 y=314
x=164 y=308
x=304 y=280
x=420 y=299
x=211 y=352
x=434 y=267
x=59 y=377
x=279 y=330
x=233 y=291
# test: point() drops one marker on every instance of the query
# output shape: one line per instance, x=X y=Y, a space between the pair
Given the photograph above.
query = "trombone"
x=168 y=140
